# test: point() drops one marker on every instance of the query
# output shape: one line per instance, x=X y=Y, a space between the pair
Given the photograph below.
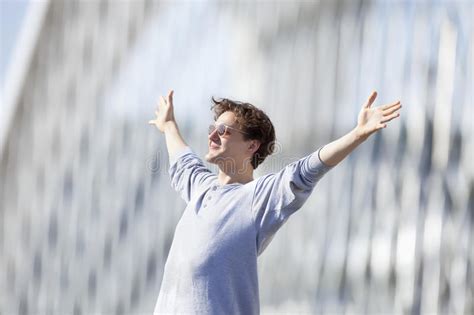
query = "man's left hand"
x=372 y=119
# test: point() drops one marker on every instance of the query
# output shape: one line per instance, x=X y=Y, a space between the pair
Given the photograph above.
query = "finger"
x=156 y=112
x=392 y=109
x=162 y=101
x=170 y=97
x=151 y=122
x=371 y=99
x=390 y=117
x=390 y=105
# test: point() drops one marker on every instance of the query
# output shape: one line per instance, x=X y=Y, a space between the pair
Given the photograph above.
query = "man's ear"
x=254 y=145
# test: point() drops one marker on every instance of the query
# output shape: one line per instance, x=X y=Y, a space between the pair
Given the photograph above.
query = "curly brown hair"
x=253 y=121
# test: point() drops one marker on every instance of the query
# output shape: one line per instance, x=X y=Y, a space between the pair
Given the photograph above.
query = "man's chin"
x=210 y=157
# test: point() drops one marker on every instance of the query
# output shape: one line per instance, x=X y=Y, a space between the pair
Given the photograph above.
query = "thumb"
x=371 y=99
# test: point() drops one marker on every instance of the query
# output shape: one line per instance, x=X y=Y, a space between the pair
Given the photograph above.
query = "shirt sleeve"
x=279 y=195
x=189 y=174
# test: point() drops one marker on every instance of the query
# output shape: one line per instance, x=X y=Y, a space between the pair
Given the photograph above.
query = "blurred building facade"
x=87 y=215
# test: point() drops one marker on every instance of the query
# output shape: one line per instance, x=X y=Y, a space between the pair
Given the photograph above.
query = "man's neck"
x=242 y=177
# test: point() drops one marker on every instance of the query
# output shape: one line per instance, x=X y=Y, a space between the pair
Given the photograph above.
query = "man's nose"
x=213 y=135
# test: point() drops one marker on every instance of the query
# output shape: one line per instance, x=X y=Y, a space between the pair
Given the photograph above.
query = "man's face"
x=229 y=148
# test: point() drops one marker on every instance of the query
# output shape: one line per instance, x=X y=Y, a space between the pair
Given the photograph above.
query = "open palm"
x=164 y=113
x=372 y=119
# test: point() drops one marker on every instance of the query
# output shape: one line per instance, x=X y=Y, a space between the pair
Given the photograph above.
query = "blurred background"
x=86 y=210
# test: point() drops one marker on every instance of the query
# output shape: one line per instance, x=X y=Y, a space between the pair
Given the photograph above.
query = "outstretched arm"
x=188 y=173
x=166 y=123
x=370 y=120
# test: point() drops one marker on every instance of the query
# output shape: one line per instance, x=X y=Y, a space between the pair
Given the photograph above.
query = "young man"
x=230 y=218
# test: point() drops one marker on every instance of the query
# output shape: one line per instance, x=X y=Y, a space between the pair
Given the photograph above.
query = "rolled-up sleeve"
x=278 y=195
x=189 y=174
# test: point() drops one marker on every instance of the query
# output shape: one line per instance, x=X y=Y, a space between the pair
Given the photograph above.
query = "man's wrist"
x=170 y=126
x=358 y=136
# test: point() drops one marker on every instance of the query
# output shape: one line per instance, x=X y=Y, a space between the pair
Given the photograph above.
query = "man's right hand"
x=164 y=113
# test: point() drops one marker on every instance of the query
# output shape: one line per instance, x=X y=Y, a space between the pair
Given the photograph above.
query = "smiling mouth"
x=213 y=145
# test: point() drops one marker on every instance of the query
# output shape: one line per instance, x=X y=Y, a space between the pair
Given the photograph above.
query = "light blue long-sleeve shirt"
x=212 y=263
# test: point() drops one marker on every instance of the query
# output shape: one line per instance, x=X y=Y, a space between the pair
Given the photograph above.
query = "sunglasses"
x=222 y=129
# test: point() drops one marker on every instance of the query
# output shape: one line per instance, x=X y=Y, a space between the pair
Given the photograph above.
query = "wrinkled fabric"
x=212 y=263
